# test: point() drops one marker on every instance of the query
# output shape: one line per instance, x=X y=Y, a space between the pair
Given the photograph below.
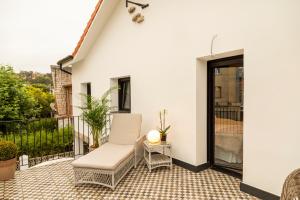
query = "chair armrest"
x=140 y=139
x=104 y=139
x=139 y=148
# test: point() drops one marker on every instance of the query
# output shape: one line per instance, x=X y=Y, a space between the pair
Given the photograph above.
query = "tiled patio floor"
x=56 y=182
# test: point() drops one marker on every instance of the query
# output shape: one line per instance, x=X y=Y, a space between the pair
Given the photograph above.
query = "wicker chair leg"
x=113 y=182
x=108 y=178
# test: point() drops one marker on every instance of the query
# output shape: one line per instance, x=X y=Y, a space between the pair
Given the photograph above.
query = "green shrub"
x=38 y=143
x=40 y=137
x=8 y=150
x=46 y=124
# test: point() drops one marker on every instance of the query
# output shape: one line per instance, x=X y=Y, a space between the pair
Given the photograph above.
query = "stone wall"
x=62 y=89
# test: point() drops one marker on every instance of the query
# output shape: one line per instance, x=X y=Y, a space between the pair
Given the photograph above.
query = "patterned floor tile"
x=56 y=181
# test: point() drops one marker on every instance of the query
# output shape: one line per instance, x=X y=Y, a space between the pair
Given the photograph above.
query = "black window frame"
x=88 y=89
x=211 y=66
x=121 y=99
x=88 y=94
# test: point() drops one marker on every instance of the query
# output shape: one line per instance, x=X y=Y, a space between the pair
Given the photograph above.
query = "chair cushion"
x=107 y=156
x=125 y=128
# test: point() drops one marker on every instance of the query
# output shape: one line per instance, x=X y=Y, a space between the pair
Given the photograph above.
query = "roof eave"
x=65 y=60
x=87 y=28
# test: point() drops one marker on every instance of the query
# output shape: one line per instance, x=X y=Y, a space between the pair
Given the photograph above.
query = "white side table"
x=157 y=155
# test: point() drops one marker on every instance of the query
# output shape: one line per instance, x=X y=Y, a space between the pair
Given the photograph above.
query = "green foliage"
x=162 y=118
x=34 y=142
x=15 y=102
x=20 y=100
x=94 y=113
x=8 y=150
x=43 y=100
x=45 y=124
x=164 y=131
x=42 y=81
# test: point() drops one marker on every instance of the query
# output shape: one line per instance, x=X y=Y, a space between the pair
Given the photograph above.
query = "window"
x=124 y=95
x=89 y=94
x=86 y=91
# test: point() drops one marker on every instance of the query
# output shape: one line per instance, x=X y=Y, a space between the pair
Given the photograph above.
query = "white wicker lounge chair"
x=109 y=163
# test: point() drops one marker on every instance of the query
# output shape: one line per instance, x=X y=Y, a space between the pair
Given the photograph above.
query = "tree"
x=42 y=98
x=15 y=101
x=43 y=81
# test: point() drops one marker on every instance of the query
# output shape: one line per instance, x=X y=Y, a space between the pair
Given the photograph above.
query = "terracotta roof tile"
x=87 y=28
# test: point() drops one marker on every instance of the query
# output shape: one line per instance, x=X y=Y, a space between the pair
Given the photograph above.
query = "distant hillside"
x=40 y=80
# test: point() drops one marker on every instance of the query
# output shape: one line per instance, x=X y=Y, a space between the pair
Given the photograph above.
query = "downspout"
x=61 y=69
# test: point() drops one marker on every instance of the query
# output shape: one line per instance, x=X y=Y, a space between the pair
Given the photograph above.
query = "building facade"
x=166 y=58
x=62 y=90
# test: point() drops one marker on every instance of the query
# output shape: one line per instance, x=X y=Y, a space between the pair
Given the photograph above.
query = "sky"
x=35 y=34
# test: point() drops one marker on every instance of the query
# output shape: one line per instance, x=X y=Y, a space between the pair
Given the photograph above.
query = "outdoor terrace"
x=56 y=181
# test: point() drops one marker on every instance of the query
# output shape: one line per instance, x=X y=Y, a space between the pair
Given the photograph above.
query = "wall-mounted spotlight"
x=137 y=18
x=131 y=9
x=143 y=6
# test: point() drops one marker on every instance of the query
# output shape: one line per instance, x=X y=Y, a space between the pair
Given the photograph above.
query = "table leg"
x=149 y=154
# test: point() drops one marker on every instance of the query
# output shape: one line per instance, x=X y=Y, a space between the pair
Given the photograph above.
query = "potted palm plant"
x=163 y=129
x=8 y=161
x=94 y=113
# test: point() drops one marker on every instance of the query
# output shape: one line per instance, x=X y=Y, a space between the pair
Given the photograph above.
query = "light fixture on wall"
x=131 y=9
x=143 y=6
x=138 y=18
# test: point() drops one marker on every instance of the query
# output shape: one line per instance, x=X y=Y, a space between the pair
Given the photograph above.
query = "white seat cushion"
x=107 y=156
x=125 y=128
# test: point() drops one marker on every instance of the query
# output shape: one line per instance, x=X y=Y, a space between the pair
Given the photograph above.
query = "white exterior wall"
x=160 y=55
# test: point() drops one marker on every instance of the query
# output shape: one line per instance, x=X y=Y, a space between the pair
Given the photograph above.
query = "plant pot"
x=91 y=148
x=163 y=138
x=7 y=169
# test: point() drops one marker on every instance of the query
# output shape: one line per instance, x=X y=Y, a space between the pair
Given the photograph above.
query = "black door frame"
x=211 y=65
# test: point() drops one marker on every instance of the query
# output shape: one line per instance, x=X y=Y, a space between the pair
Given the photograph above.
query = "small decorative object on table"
x=163 y=129
x=153 y=137
x=157 y=155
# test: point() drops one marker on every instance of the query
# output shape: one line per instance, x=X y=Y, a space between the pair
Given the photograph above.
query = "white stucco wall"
x=161 y=54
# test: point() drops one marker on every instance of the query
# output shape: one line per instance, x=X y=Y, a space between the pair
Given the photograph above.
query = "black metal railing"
x=47 y=139
x=229 y=112
x=228 y=120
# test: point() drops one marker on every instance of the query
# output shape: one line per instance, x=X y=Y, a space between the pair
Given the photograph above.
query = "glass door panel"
x=228 y=117
x=225 y=114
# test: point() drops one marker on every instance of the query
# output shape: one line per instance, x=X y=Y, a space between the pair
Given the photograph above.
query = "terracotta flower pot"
x=91 y=148
x=7 y=169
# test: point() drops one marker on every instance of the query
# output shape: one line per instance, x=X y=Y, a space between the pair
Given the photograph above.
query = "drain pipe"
x=64 y=60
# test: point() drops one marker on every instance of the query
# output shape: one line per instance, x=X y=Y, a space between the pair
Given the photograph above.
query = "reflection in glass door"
x=226 y=113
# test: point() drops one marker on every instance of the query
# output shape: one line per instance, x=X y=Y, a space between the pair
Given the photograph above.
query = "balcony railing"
x=47 y=139
x=229 y=112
